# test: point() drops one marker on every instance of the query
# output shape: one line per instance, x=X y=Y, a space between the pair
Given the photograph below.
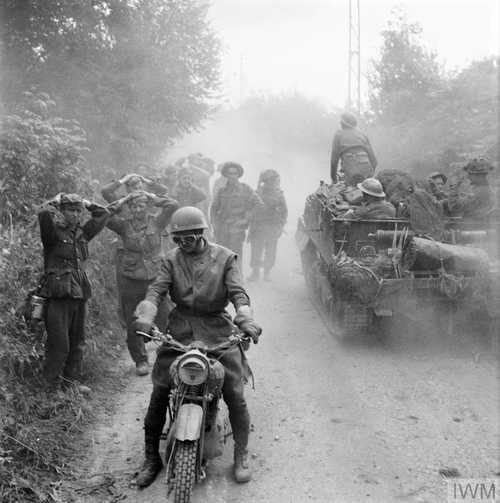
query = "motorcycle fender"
x=188 y=422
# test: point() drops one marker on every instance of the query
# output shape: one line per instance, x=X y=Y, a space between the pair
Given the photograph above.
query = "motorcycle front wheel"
x=185 y=470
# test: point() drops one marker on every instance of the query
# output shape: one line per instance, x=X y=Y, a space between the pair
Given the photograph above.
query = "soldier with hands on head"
x=201 y=278
x=131 y=182
x=233 y=208
x=65 y=284
x=353 y=149
x=139 y=260
x=267 y=224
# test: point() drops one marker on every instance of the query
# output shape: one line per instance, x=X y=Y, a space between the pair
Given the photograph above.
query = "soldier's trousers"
x=131 y=292
x=65 y=325
x=264 y=243
x=232 y=239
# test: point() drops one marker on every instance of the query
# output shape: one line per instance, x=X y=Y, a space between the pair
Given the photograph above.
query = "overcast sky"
x=283 y=45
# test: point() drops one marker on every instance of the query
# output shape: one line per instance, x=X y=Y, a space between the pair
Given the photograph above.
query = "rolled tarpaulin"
x=422 y=254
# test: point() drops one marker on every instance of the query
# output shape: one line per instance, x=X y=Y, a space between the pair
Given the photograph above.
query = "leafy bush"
x=40 y=156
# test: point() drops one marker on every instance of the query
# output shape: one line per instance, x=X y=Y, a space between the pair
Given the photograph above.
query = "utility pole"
x=354 y=76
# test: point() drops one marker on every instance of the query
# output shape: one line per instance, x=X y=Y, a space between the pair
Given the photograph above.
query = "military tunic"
x=231 y=212
x=353 y=148
x=138 y=263
x=67 y=288
x=378 y=210
x=201 y=285
x=266 y=227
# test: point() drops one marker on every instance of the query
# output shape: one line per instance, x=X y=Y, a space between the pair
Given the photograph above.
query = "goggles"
x=186 y=239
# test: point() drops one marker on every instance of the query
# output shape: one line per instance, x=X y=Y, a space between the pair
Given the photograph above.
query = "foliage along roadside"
x=38 y=428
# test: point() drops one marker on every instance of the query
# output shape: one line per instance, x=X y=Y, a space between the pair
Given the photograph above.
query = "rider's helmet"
x=188 y=218
x=372 y=187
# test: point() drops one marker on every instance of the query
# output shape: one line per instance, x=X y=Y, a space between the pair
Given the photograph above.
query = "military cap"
x=234 y=165
x=71 y=200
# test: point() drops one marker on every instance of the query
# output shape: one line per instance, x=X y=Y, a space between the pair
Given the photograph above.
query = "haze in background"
x=286 y=45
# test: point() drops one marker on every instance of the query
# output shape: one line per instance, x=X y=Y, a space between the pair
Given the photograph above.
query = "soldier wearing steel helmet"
x=65 y=284
x=374 y=205
x=201 y=278
x=233 y=208
x=139 y=260
x=267 y=224
x=353 y=149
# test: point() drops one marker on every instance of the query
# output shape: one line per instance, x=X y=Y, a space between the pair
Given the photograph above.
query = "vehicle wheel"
x=184 y=470
x=357 y=318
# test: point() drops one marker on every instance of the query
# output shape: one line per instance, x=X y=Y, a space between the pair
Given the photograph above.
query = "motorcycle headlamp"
x=193 y=370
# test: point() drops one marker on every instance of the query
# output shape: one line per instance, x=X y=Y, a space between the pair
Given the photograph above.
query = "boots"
x=152 y=464
x=242 y=470
x=141 y=368
x=255 y=274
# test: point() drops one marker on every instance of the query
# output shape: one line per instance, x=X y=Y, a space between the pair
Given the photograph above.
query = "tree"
x=40 y=155
x=136 y=74
x=405 y=79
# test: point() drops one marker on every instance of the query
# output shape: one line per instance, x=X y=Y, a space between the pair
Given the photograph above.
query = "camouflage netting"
x=425 y=214
x=352 y=279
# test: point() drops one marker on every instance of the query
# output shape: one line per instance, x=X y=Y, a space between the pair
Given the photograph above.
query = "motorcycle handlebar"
x=156 y=335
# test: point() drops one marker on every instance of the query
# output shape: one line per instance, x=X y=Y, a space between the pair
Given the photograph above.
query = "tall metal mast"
x=354 y=78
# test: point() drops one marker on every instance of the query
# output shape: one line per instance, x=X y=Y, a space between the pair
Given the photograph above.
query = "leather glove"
x=252 y=329
x=141 y=326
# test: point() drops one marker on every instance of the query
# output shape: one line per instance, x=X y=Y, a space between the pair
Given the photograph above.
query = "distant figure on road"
x=233 y=208
x=267 y=224
x=186 y=193
x=353 y=148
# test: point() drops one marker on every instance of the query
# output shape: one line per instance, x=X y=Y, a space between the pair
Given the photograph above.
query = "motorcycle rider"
x=202 y=278
x=353 y=148
x=267 y=224
x=233 y=208
x=374 y=205
x=139 y=258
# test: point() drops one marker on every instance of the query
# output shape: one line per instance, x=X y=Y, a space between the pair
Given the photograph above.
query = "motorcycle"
x=198 y=427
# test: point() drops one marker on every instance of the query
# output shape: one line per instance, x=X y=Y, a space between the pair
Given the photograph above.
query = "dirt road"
x=362 y=422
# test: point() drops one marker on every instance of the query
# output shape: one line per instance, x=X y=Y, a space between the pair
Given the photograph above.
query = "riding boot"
x=152 y=464
x=242 y=470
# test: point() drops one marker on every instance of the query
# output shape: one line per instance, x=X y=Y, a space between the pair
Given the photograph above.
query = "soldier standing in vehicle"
x=374 y=205
x=477 y=202
x=65 y=284
x=267 y=224
x=139 y=258
x=353 y=149
x=233 y=208
x=201 y=278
